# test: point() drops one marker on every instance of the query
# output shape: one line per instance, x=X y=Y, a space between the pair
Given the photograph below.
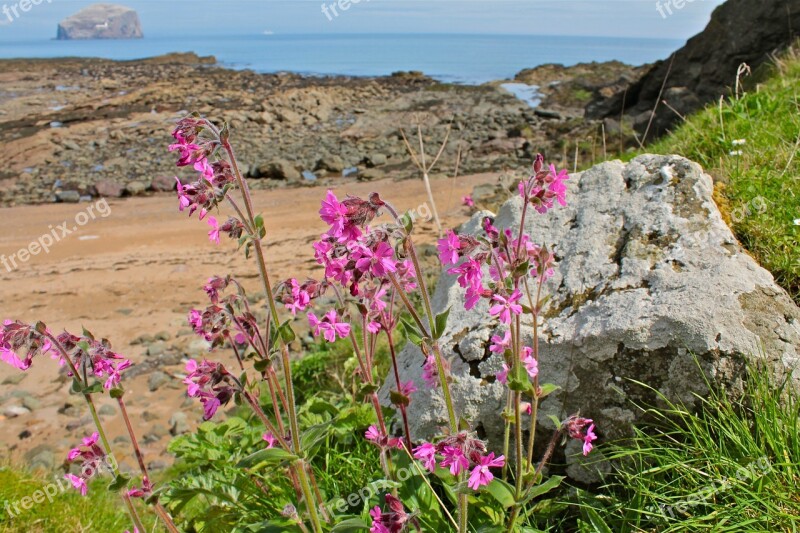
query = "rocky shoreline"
x=78 y=128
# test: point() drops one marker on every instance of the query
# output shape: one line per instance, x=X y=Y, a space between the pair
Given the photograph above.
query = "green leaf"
x=502 y=492
x=266 y=457
x=547 y=388
x=398 y=398
x=369 y=388
x=440 y=324
x=313 y=436
x=117 y=392
x=93 y=388
x=543 y=488
x=261 y=365
x=598 y=524
x=287 y=333
x=119 y=483
x=351 y=524
x=555 y=420
x=412 y=333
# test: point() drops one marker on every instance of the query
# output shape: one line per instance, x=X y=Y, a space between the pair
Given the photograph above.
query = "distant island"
x=101 y=21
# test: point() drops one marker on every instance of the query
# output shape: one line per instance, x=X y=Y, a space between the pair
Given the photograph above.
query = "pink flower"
x=531 y=365
x=426 y=453
x=213 y=235
x=502 y=376
x=377 y=525
x=500 y=345
x=448 y=248
x=408 y=388
x=587 y=440
x=334 y=213
x=78 y=482
x=468 y=201
x=270 y=439
x=374 y=327
x=506 y=306
x=373 y=434
x=455 y=459
x=378 y=262
x=481 y=475
x=469 y=274
x=328 y=326
x=430 y=372
x=299 y=298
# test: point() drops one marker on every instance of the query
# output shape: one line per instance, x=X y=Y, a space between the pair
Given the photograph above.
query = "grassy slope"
x=757 y=190
x=69 y=511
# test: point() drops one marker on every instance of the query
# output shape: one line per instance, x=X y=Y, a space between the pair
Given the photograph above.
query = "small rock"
x=163 y=184
x=143 y=339
x=136 y=188
x=375 y=160
x=163 y=336
x=14 y=379
x=13 y=411
x=350 y=172
x=309 y=176
x=107 y=410
x=147 y=416
x=179 y=424
x=156 y=465
x=280 y=169
x=109 y=188
x=42 y=456
x=156 y=380
x=76 y=424
x=331 y=163
x=68 y=197
x=157 y=348
x=31 y=402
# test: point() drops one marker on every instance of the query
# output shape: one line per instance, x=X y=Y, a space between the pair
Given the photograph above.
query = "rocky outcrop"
x=648 y=278
x=101 y=21
x=740 y=31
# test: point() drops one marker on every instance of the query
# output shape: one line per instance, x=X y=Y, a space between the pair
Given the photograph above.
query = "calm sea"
x=468 y=59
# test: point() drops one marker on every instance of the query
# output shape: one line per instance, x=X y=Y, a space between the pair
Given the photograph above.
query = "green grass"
x=731 y=466
x=100 y=510
x=759 y=190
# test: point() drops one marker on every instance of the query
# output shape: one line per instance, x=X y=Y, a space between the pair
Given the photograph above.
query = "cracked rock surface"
x=649 y=280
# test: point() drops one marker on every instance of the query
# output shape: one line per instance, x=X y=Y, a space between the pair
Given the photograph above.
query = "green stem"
x=294 y=426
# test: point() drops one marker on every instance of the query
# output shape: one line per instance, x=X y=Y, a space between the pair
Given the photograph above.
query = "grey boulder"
x=649 y=280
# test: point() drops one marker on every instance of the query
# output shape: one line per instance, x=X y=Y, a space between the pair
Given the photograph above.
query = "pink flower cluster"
x=214 y=178
x=581 y=429
x=97 y=356
x=18 y=339
x=544 y=187
x=460 y=453
x=91 y=457
x=391 y=521
x=227 y=317
x=383 y=441
x=360 y=259
x=211 y=383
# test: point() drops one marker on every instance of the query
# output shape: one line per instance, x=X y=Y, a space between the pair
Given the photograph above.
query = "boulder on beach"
x=101 y=21
x=650 y=287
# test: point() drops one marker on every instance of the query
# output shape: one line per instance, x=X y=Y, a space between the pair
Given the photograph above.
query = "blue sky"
x=617 y=18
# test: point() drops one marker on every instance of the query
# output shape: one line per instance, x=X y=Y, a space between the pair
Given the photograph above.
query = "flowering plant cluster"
x=370 y=285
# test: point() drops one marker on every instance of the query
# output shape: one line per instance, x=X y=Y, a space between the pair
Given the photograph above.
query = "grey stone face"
x=651 y=286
